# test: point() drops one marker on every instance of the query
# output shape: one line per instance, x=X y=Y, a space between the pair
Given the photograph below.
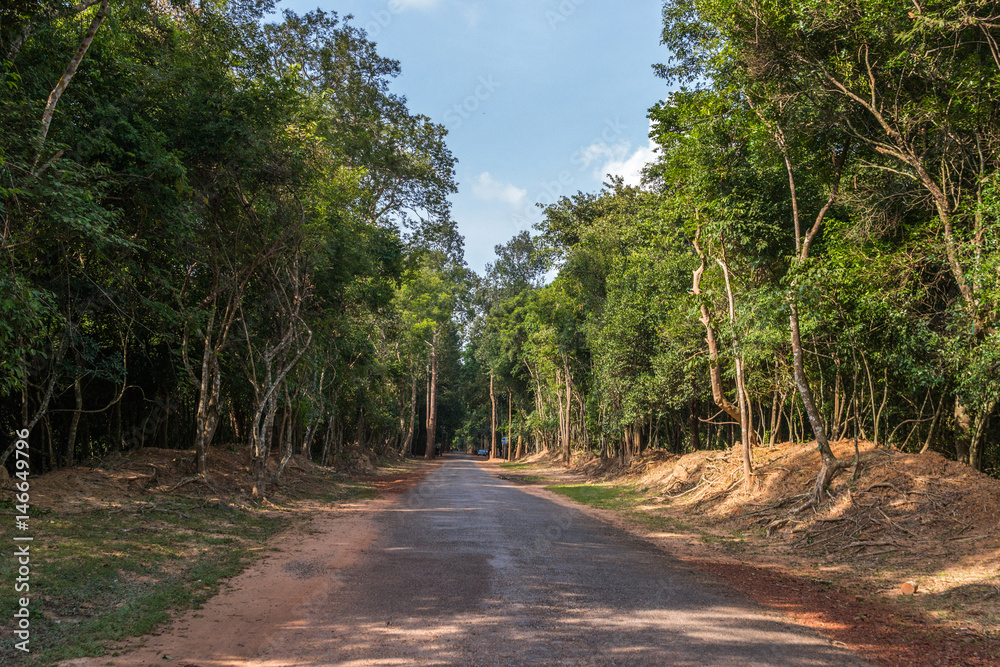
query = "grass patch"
x=525 y=479
x=605 y=496
x=102 y=576
x=625 y=499
x=533 y=479
x=510 y=465
x=343 y=491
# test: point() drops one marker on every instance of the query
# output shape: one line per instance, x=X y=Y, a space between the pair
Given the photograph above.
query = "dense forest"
x=813 y=256
x=221 y=227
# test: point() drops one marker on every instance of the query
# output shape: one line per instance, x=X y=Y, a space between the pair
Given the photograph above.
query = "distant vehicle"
x=483 y=452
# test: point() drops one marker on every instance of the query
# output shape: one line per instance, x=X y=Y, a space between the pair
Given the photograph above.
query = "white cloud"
x=602 y=151
x=488 y=189
x=630 y=167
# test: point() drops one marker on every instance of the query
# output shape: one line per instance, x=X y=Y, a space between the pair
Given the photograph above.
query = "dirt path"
x=464 y=568
x=468 y=569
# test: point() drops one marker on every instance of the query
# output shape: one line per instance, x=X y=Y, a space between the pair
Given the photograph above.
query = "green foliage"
x=838 y=157
x=210 y=182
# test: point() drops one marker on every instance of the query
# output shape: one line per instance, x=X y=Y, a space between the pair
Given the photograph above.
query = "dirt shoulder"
x=269 y=596
x=134 y=562
x=837 y=570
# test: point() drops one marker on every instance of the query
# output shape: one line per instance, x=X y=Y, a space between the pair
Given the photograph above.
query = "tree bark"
x=493 y=420
x=408 y=442
x=830 y=465
x=569 y=403
x=74 y=422
x=933 y=427
x=714 y=370
x=694 y=426
x=63 y=83
x=510 y=409
x=432 y=399
x=963 y=426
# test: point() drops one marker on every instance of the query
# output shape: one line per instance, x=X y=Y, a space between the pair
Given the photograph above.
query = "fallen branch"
x=865 y=545
x=883 y=485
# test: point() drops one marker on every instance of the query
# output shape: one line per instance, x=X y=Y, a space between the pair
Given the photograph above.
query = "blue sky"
x=541 y=98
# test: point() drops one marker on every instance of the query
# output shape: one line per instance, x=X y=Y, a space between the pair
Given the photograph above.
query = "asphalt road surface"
x=470 y=570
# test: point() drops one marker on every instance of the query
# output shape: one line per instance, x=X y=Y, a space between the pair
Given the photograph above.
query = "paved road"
x=471 y=570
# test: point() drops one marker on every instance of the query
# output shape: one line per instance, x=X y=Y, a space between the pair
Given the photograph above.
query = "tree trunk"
x=830 y=464
x=262 y=444
x=510 y=409
x=744 y=416
x=43 y=407
x=324 y=458
x=432 y=399
x=74 y=423
x=933 y=427
x=408 y=442
x=838 y=406
x=493 y=420
x=746 y=426
x=772 y=435
x=288 y=435
x=976 y=443
x=569 y=403
x=694 y=436
x=74 y=63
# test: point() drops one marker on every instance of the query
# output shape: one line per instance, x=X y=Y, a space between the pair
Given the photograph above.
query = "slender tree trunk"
x=830 y=464
x=933 y=428
x=288 y=447
x=432 y=399
x=408 y=443
x=324 y=458
x=262 y=444
x=63 y=83
x=493 y=420
x=42 y=412
x=745 y=417
x=976 y=444
x=74 y=422
x=963 y=428
x=772 y=435
x=746 y=426
x=569 y=403
x=510 y=409
x=838 y=407
x=207 y=410
x=694 y=426
x=359 y=430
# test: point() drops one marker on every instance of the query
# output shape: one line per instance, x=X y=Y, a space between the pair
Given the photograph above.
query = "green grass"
x=99 y=577
x=343 y=491
x=510 y=465
x=532 y=479
x=605 y=496
x=622 y=498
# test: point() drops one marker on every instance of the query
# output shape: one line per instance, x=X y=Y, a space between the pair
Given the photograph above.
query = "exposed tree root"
x=195 y=479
